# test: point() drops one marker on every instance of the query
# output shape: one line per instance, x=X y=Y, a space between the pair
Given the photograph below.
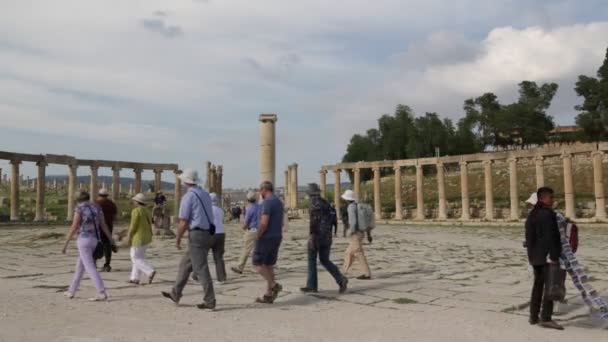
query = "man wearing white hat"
x=250 y=227
x=357 y=230
x=196 y=217
x=108 y=207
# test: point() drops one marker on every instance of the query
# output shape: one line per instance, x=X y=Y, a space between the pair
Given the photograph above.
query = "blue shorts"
x=266 y=251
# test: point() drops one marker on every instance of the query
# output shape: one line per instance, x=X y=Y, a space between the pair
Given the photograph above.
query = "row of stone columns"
x=215 y=174
x=598 y=175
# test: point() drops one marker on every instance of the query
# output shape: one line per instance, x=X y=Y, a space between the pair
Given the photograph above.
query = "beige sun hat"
x=349 y=195
x=252 y=196
x=103 y=192
x=139 y=198
x=189 y=176
x=533 y=199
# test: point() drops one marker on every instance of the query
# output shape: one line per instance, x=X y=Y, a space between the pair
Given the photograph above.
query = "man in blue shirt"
x=269 y=236
x=252 y=218
x=196 y=217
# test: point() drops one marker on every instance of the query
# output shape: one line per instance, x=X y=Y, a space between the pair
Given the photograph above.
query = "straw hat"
x=252 y=196
x=349 y=195
x=189 y=176
x=139 y=198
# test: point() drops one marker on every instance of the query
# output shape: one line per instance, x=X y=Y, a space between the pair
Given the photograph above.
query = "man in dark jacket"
x=319 y=242
x=108 y=207
x=544 y=247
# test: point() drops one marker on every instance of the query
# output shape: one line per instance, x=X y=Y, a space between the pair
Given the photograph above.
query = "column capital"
x=539 y=158
x=418 y=166
x=397 y=168
x=338 y=171
x=487 y=162
x=42 y=163
x=94 y=167
x=15 y=162
x=177 y=172
x=136 y=170
x=512 y=159
x=116 y=168
x=566 y=155
x=323 y=172
x=463 y=163
x=376 y=168
x=268 y=118
x=156 y=170
x=597 y=153
x=439 y=164
x=73 y=166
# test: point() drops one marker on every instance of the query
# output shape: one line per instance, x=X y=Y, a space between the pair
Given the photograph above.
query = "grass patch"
x=404 y=301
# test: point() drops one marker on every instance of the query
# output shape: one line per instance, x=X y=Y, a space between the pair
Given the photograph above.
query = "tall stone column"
x=442 y=210
x=377 y=202
x=93 y=186
x=212 y=181
x=568 y=185
x=158 y=180
x=489 y=189
x=137 y=181
x=323 y=183
x=115 y=183
x=15 y=189
x=398 y=199
x=419 y=193
x=357 y=180
x=513 y=191
x=540 y=172
x=267 y=147
x=286 y=178
x=208 y=173
x=219 y=187
x=598 y=182
x=177 y=191
x=464 y=191
x=337 y=187
x=72 y=175
x=40 y=189
x=293 y=185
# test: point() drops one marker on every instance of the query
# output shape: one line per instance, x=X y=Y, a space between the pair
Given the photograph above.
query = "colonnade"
x=215 y=174
x=595 y=152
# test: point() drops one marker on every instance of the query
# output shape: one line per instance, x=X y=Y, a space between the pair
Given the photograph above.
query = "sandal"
x=276 y=290
x=265 y=300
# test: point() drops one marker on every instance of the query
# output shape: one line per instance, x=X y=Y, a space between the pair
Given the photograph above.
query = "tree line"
x=487 y=124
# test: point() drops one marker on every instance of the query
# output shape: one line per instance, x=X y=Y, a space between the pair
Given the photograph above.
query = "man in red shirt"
x=109 y=212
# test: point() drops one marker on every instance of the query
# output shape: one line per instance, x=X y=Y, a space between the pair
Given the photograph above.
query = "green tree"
x=593 y=118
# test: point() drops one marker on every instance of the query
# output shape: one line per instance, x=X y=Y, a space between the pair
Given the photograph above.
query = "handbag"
x=211 y=225
x=98 y=251
x=555 y=287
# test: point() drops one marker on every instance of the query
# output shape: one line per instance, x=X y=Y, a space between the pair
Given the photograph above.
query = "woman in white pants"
x=140 y=237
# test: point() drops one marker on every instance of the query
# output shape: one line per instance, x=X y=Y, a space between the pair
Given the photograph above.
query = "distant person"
x=160 y=198
x=89 y=224
x=108 y=207
x=269 y=237
x=219 y=240
x=139 y=238
x=544 y=247
x=320 y=240
x=344 y=217
x=357 y=226
x=196 y=217
x=334 y=219
x=250 y=228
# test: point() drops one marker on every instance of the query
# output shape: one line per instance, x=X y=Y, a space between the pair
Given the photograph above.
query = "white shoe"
x=68 y=294
x=99 y=298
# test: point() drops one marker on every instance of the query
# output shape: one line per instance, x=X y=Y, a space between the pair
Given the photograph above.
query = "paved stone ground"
x=431 y=272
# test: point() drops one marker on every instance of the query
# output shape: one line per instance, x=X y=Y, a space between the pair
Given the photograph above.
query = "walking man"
x=544 y=248
x=358 y=225
x=196 y=217
x=334 y=219
x=219 y=240
x=109 y=214
x=269 y=236
x=251 y=230
x=319 y=241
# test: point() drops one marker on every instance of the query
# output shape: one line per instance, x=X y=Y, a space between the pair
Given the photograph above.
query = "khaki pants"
x=355 y=252
x=248 y=241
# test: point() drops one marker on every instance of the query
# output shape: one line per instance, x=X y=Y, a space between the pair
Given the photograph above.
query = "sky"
x=184 y=81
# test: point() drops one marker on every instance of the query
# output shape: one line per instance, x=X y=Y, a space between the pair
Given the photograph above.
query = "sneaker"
x=101 y=297
x=308 y=290
x=236 y=270
x=151 y=278
x=107 y=268
x=364 y=277
x=171 y=296
x=533 y=321
x=344 y=285
x=68 y=294
x=551 y=325
x=206 y=307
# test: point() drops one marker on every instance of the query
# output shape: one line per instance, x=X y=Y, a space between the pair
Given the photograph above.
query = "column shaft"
x=419 y=193
x=177 y=192
x=293 y=185
x=442 y=210
x=568 y=186
x=137 y=181
x=40 y=189
x=398 y=199
x=323 y=183
x=357 y=181
x=464 y=191
x=267 y=147
x=513 y=191
x=15 y=181
x=72 y=170
x=377 y=202
x=337 y=187
x=489 y=189
x=158 y=180
x=540 y=172
x=93 y=186
x=287 y=195
x=598 y=182
x=115 y=184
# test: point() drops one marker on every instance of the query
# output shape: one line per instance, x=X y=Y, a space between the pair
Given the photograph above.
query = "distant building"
x=565 y=135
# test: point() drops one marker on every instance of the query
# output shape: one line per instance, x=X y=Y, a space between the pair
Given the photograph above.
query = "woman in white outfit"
x=140 y=237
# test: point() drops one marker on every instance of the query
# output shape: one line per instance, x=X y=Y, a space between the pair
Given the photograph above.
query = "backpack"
x=325 y=218
x=365 y=217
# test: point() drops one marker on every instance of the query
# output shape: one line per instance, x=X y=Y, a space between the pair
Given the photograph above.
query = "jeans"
x=85 y=262
x=321 y=249
x=140 y=265
x=107 y=246
x=537 y=298
x=196 y=260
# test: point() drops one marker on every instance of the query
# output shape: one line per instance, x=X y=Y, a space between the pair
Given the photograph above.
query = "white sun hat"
x=533 y=199
x=349 y=195
x=103 y=192
x=139 y=198
x=252 y=196
x=189 y=176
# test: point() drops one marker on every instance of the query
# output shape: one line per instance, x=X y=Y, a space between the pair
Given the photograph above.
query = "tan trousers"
x=355 y=252
x=248 y=242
